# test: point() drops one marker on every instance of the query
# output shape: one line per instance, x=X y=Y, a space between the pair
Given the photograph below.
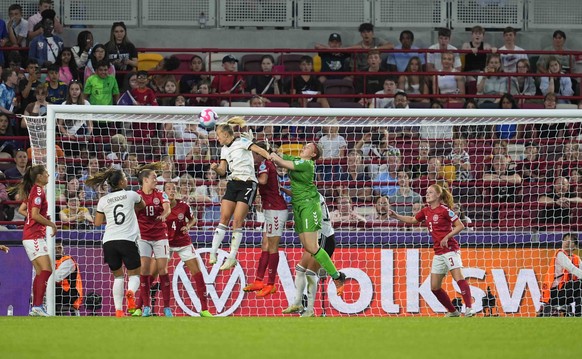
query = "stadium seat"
x=290 y=61
x=148 y=60
x=345 y=104
x=338 y=87
x=276 y=104
x=185 y=60
x=529 y=105
x=251 y=62
x=419 y=104
x=292 y=149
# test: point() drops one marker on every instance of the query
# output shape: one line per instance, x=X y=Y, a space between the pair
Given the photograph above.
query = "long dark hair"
x=82 y=40
x=72 y=63
x=145 y=170
x=28 y=180
x=112 y=176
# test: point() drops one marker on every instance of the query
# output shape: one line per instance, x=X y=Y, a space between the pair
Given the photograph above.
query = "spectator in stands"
x=308 y=84
x=46 y=47
x=38 y=108
x=376 y=146
x=502 y=179
x=434 y=171
x=568 y=159
x=168 y=173
x=121 y=52
x=67 y=66
x=75 y=216
x=170 y=88
x=98 y=54
x=158 y=82
x=477 y=60
x=500 y=147
x=89 y=170
x=388 y=175
x=332 y=61
x=449 y=84
x=558 y=42
x=550 y=130
x=460 y=159
x=388 y=90
x=228 y=84
x=187 y=188
x=372 y=81
x=256 y=101
x=467 y=222
x=345 y=214
x=118 y=155
x=189 y=83
x=434 y=61
x=558 y=201
x=332 y=143
x=576 y=181
x=265 y=84
x=509 y=60
x=142 y=94
x=506 y=132
x=204 y=89
x=400 y=99
x=82 y=49
x=562 y=285
x=126 y=99
x=419 y=165
x=102 y=88
x=20 y=165
x=417 y=207
x=399 y=61
x=369 y=41
x=381 y=209
x=8 y=100
x=522 y=85
x=531 y=168
x=209 y=195
x=17 y=27
x=353 y=171
x=412 y=82
x=36 y=19
x=404 y=197
x=561 y=86
x=56 y=89
x=492 y=84
x=7 y=146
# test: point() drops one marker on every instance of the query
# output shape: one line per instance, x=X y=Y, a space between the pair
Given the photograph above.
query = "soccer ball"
x=207 y=118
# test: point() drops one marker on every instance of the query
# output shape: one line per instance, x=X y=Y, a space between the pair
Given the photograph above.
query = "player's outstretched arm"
x=401 y=218
x=281 y=162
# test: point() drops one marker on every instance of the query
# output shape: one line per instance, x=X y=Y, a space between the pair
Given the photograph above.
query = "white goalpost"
x=510 y=235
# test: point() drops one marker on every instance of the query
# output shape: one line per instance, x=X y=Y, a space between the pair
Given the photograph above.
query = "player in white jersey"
x=118 y=210
x=236 y=162
x=306 y=271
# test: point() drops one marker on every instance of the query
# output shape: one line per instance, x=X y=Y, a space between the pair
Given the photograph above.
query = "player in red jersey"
x=33 y=236
x=154 y=238
x=275 y=211
x=443 y=224
x=179 y=223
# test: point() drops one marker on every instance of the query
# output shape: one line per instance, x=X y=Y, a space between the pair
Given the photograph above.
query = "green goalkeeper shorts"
x=307 y=216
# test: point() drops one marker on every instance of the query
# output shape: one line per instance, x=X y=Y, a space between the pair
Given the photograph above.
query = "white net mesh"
x=516 y=194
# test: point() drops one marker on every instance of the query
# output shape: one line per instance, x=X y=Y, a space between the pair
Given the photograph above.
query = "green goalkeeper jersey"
x=301 y=177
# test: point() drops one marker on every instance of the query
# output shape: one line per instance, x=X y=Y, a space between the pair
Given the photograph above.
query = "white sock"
x=312 y=280
x=235 y=242
x=300 y=282
x=118 y=293
x=219 y=233
x=133 y=283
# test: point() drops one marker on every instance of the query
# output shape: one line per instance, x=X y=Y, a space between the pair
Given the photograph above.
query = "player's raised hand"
x=214 y=166
x=392 y=214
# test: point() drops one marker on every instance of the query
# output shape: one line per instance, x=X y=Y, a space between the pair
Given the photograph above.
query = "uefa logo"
x=224 y=288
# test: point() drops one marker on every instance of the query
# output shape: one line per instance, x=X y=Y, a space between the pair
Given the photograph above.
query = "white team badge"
x=232 y=293
x=156 y=201
x=181 y=216
x=435 y=218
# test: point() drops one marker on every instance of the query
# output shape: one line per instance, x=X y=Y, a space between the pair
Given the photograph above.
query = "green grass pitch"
x=236 y=337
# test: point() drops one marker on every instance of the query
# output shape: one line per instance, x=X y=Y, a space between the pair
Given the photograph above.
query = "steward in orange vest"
x=562 y=283
x=68 y=283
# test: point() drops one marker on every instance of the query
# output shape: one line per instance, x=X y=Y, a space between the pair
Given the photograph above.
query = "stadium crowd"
x=374 y=169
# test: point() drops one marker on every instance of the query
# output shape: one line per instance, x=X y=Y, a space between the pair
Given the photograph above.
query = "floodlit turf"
x=350 y=337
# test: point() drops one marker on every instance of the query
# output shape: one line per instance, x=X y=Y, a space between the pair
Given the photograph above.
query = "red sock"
x=144 y=289
x=263 y=262
x=444 y=299
x=200 y=289
x=273 y=263
x=165 y=284
x=39 y=287
x=466 y=293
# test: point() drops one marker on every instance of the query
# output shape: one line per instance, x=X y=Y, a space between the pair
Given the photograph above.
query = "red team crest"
x=435 y=218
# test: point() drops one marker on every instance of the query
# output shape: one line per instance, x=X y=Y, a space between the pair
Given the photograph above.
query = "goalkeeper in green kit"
x=306 y=207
